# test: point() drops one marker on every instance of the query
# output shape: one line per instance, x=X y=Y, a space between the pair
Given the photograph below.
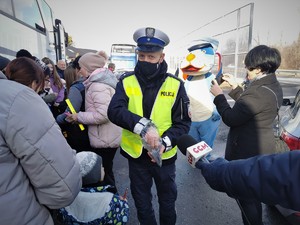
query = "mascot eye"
x=190 y=57
x=199 y=54
x=204 y=51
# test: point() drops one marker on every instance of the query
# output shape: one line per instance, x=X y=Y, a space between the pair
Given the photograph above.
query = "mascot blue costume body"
x=197 y=66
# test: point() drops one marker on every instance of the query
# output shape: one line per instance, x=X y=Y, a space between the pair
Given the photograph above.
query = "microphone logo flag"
x=196 y=152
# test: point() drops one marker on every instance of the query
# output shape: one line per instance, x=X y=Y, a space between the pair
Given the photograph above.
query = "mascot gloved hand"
x=197 y=67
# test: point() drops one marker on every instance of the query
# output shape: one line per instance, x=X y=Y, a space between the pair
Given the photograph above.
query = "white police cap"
x=204 y=42
x=149 y=39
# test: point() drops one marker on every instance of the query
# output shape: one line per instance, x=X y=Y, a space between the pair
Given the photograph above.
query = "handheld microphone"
x=193 y=150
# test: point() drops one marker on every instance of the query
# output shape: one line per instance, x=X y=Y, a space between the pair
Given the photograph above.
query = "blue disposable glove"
x=213 y=173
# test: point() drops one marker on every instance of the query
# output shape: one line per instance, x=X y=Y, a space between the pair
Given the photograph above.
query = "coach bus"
x=29 y=24
x=124 y=56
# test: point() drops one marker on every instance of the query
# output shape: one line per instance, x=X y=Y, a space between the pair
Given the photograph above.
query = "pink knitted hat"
x=91 y=61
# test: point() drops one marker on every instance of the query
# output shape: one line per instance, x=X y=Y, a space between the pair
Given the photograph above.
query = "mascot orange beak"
x=190 y=68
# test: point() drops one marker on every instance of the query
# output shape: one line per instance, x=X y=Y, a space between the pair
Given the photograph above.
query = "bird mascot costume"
x=196 y=69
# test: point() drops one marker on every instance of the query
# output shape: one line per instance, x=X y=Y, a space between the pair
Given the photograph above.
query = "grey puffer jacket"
x=38 y=167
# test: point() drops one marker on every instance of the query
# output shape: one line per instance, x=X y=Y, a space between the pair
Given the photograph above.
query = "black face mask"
x=148 y=69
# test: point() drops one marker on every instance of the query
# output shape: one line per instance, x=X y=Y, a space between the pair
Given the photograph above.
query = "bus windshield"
x=123 y=56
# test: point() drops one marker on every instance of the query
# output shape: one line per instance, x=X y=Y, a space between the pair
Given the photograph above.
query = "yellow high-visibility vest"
x=161 y=113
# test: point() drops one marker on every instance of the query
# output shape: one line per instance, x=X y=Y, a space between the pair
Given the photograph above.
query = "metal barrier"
x=234 y=32
x=294 y=73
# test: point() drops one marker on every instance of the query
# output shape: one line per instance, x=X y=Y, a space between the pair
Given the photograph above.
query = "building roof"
x=72 y=51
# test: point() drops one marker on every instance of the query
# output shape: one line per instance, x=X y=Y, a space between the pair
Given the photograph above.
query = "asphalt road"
x=197 y=203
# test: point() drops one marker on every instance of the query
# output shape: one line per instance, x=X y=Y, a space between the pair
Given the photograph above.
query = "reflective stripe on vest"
x=161 y=113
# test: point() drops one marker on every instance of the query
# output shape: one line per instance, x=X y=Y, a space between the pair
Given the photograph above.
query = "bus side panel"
x=17 y=35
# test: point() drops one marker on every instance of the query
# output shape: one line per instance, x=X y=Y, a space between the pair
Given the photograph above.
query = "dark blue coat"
x=272 y=179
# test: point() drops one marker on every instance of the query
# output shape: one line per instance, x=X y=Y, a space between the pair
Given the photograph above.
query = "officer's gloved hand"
x=213 y=173
x=152 y=142
x=150 y=137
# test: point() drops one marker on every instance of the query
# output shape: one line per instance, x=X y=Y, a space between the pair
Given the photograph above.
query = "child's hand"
x=124 y=197
x=71 y=118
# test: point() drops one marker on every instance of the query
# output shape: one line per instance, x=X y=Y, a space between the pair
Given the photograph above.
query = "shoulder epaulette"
x=173 y=76
x=126 y=74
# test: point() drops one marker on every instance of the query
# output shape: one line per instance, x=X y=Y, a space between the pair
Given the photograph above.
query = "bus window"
x=47 y=15
x=28 y=12
x=6 y=7
x=30 y=26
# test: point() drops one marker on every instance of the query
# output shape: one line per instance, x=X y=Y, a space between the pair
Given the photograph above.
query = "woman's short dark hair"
x=264 y=58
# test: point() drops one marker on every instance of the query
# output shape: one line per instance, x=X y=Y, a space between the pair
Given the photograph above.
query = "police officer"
x=147 y=98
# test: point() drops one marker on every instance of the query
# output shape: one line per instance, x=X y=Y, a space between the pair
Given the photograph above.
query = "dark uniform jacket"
x=119 y=114
x=251 y=118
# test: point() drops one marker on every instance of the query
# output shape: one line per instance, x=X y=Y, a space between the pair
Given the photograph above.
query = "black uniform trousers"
x=141 y=180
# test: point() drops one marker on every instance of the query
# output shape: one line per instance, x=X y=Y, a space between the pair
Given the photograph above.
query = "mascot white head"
x=201 y=57
x=197 y=66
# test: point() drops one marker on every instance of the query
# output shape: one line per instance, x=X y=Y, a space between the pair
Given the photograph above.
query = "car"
x=289 y=130
x=289 y=124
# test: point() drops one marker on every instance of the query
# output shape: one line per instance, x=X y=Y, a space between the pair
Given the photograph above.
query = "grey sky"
x=96 y=24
